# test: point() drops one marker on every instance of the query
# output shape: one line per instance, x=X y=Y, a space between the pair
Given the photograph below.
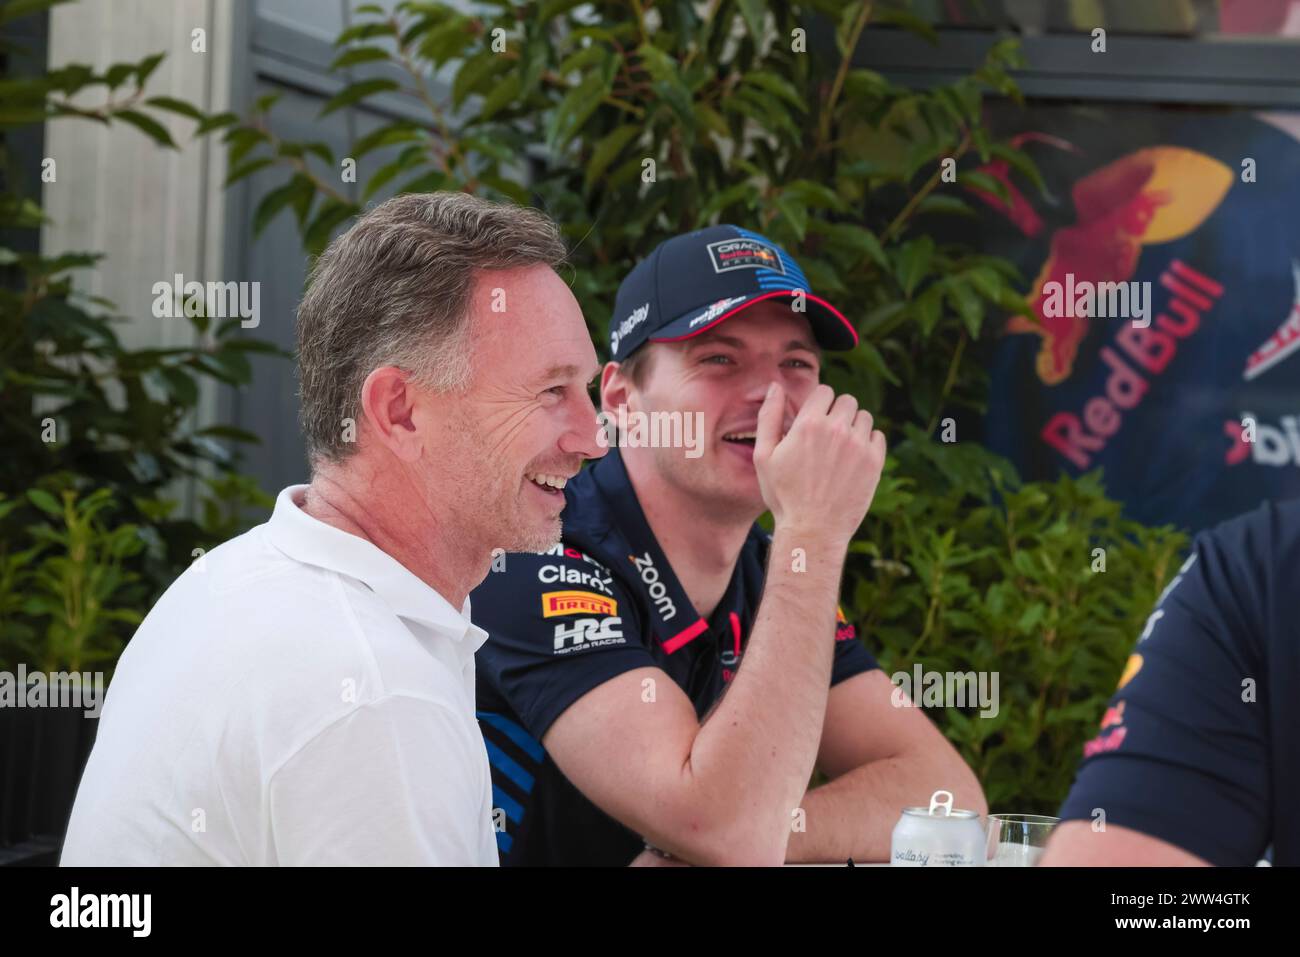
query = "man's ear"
x=388 y=404
x=614 y=387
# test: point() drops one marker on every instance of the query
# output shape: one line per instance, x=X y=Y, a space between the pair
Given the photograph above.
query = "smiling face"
x=723 y=373
x=526 y=421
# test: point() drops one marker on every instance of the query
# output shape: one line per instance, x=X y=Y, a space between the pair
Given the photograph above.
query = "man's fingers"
x=818 y=403
x=879 y=445
x=771 y=415
x=844 y=409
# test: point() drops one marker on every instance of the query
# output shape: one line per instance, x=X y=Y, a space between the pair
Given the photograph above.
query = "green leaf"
x=870 y=356
x=914 y=262
x=230 y=432
x=908 y=21
x=276 y=200
x=795 y=213
x=554 y=8
x=1021 y=162
x=778 y=86
x=658 y=63
x=357 y=92
x=389 y=135
x=815 y=194
x=474 y=74
x=968 y=305
x=446 y=41
x=927 y=309
x=983 y=181
x=248 y=169
x=46 y=502
x=728 y=197
x=359 y=55
x=577 y=106
x=582 y=59
x=119 y=73
x=366 y=31
x=943 y=205
x=215 y=121
x=607 y=150
x=861 y=240
x=430 y=182
x=176 y=106
x=144 y=69
x=330 y=215
x=753 y=12
x=147 y=125
x=503 y=93
x=25 y=8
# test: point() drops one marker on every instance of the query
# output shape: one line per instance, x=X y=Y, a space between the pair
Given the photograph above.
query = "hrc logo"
x=577 y=603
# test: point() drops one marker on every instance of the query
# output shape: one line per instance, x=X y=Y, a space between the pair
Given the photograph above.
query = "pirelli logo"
x=556 y=603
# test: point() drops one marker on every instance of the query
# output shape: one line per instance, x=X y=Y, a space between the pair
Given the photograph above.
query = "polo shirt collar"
x=610 y=476
x=312 y=542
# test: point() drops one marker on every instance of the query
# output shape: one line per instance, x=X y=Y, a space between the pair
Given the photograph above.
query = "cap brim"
x=829 y=327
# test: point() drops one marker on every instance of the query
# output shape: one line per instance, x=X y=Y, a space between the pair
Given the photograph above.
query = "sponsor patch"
x=715 y=310
x=556 y=603
x=588 y=633
x=742 y=253
x=1113 y=716
x=565 y=575
x=1133 y=666
x=618 y=333
x=844 y=630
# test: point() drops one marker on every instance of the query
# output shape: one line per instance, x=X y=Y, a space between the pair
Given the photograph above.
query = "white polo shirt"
x=296 y=697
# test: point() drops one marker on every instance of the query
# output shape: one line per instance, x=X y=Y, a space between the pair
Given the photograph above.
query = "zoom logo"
x=658 y=592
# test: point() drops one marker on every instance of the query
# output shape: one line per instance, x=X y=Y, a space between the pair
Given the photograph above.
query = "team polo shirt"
x=296 y=697
x=602 y=602
x=1200 y=746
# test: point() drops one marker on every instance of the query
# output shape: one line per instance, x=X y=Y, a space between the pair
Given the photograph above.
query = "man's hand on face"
x=821 y=476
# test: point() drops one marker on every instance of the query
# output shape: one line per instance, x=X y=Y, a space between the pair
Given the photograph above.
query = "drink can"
x=938 y=836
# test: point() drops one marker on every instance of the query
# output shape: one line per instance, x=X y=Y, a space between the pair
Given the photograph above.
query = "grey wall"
x=287 y=50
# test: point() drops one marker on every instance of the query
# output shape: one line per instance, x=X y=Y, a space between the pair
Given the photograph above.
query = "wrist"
x=810 y=535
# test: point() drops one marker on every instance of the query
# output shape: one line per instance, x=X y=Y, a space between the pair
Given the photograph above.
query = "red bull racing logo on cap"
x=744 y=253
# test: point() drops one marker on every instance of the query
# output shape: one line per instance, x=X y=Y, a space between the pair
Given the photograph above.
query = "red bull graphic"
x=1282 y=343
x=1166 y=307
x=1122 y=207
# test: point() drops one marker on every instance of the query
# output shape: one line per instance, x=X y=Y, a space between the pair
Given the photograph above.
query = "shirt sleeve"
x=400 y=781
x=851 y=655
x=555 y=632
x=1182 y=752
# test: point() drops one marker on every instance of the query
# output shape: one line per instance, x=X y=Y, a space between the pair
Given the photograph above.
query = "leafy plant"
x=961 y=568
x=94 y=434
x=638 y=123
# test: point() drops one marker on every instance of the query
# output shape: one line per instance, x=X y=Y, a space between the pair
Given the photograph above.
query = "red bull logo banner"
x=1163 y=268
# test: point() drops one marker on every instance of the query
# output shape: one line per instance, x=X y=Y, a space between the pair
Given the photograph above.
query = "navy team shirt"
x=602 y=602
x=1200 y=746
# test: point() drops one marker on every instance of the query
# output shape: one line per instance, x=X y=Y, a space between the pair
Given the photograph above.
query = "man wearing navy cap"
x=663 y=684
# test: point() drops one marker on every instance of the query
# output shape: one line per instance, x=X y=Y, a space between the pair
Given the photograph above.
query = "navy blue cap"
x=692 y=282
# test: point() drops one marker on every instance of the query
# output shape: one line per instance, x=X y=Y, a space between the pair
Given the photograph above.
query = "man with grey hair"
x=304 y=693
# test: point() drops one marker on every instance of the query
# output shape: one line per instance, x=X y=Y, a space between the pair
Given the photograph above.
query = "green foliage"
x=963 y=568
x=97 y=437
x=643 y=122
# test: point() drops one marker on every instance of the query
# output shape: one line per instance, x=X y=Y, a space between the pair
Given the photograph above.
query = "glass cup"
x=1018 y=840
